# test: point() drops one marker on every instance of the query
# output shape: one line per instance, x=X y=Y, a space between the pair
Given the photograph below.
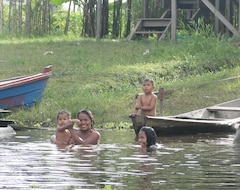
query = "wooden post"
x=173 y=19
x=145 y=8
x=160 y=97
x=99 y=13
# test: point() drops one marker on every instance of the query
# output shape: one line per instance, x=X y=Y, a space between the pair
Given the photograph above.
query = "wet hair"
x=151 y=136
x=148 y=80
x=88 y=113
x=63 y=111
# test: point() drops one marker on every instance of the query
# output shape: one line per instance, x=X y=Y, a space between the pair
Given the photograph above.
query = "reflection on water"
x=28 y=160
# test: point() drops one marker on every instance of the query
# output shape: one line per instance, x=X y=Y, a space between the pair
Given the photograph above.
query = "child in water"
x=63 y=135
x=147 y=101
x=147 y=138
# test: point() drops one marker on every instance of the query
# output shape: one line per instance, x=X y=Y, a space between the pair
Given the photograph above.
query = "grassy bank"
x=105 y=76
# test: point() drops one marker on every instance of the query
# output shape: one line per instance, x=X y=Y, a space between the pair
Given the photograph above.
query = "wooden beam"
x=138 y=26
x=173 y=19
x=223 y=108
x=221 y=17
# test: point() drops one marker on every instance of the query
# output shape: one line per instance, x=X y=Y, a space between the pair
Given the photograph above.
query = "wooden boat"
x=6 y=132
x=222 y=117
x=6 y=129
x=23 y=91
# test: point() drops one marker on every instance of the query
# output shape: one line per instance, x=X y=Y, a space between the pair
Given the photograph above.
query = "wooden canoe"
x=219 y=118
x=23 y=91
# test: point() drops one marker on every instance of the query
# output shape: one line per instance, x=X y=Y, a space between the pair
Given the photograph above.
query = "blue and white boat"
x=24 y=91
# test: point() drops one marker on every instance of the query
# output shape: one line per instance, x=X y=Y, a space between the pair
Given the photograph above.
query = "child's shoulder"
x=153 y=94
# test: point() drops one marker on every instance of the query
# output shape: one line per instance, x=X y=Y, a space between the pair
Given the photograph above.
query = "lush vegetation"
x=104 y=76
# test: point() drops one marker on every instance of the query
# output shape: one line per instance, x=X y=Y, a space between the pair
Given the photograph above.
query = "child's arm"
x=93 y=138
x=137 y=106
x=67 y=126
x=75 y=121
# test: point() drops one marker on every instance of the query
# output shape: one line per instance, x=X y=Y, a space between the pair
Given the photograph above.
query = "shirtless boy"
x=147 y=101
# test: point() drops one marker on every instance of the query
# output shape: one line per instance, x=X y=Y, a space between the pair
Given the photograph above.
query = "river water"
x=28 y=160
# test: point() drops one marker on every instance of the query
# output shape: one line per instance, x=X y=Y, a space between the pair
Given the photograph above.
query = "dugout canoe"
x=224 y=117
x=24 y=91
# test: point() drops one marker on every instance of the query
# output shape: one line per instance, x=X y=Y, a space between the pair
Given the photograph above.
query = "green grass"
x=104 y=76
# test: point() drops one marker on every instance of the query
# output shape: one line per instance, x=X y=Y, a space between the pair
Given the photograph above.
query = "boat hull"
x=175 y=126
x=6 y=132
x=221 y=118
x=23 y=91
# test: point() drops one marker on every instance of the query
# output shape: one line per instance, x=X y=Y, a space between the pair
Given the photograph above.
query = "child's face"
x=147 y=87
x=142 y=139
x=62 y=119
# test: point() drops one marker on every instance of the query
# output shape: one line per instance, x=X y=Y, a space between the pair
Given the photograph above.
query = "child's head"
x=63 y=116
x=148 y=80
x=147 y=85
x=147 y=137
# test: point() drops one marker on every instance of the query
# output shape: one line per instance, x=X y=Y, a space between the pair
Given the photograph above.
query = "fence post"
x=160 y=97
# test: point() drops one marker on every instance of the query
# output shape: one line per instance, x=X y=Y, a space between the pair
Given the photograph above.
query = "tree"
x=116 y=27
x=28 y=18
x=1 y=16
x=129 y=18
x=67 y=19
x=89 y=15
x=105 y=18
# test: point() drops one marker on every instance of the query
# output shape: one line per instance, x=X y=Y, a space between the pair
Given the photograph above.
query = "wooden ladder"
x=147 y=26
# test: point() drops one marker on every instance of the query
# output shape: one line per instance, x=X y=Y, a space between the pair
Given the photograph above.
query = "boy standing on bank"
x=147 y=101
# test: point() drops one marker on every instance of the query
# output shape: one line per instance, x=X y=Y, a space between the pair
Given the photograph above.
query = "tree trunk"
x=117 y=19
x=9 y=16
x=45 y=16
x=20 y=16
x=67 y=19
x=129 y=17
x=1 y=17
x=89 y=14
x=15 y=17
x=105 y=12
x=99 y=15
x=28 y=18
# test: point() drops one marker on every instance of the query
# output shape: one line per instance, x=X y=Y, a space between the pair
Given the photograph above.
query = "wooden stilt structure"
x=226 y=16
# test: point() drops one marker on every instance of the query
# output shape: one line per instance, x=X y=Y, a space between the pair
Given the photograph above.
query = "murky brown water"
x=28 y=160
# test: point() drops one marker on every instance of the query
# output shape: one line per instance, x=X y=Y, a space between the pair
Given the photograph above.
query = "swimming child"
x=147 y=138
x=64 y=121
x=147 y=101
